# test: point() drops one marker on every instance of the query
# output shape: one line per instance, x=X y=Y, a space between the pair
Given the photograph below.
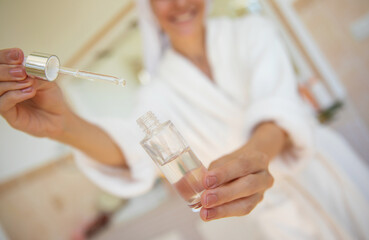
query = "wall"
x=330 y=22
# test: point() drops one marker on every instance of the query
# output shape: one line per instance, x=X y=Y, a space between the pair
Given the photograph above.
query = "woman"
x=229 y=88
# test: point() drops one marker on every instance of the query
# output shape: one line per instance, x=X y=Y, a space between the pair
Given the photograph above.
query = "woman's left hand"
x=235 y=184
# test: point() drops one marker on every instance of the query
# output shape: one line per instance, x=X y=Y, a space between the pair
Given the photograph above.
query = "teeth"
x=183 y=17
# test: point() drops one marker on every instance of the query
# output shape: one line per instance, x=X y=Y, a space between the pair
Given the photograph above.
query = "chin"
x=185 y=24
x=186 y=29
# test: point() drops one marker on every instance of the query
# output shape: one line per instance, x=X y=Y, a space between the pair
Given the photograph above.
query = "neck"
x=194 y=49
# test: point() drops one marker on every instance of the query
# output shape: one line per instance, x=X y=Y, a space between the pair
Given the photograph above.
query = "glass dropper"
x=92 y=76
x=47 y=67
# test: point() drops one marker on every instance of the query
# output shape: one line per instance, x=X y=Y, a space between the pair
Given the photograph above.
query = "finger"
x=237 y=166
x=12 y=72
x=226 y=158
x=240 y=188
x=239 y=207
x=221 y=161
x=11 y=56
x=42 y=85
x=9 y=99
x=9 y=86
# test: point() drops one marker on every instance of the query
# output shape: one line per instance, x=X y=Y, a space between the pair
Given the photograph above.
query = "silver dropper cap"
x=43 y=66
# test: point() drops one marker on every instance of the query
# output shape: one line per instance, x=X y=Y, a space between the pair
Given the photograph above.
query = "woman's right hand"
x=36 y=107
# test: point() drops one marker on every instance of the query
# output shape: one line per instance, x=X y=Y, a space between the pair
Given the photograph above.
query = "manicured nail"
x=211 y=181
x=17 y=72
x=210 y=213
x=27 y=90
x=13 y=55
x=211 y=199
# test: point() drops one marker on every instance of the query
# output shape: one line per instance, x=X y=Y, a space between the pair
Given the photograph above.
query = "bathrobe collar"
x=195 y=87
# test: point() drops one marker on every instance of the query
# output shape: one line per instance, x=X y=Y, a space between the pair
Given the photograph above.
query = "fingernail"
x=210 y=213
x=13 y=55
x=211 y=181
x=17 y=72
x=211 y=199
x=27 y=90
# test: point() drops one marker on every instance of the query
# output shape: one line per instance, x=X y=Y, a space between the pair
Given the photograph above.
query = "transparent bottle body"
x=177 y=162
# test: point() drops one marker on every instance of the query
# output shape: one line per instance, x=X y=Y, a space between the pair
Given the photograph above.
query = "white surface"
x=2 y=234
x=138 y=206
x=229 y=228
x=322 y=96
x=360 y=28
x=349 y=124
x=172 y=235
x=20 y=152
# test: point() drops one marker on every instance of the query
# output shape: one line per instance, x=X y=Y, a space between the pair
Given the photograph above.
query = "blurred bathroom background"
x=42 y=193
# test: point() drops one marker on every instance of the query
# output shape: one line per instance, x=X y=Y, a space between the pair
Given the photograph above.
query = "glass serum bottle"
x=173 y=156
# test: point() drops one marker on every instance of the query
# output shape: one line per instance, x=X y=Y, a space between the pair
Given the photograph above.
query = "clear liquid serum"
x=178 y=163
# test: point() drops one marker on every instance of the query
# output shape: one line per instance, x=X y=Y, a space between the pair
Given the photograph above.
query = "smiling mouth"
x=185 y=17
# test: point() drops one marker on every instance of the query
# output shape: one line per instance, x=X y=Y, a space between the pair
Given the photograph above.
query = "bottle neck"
x=148 y=123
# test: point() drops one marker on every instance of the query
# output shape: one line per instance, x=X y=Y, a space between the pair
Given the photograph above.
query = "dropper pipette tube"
x=92 y=76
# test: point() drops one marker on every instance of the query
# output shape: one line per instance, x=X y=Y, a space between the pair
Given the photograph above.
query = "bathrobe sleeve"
x=127 y=135
x=272 y=89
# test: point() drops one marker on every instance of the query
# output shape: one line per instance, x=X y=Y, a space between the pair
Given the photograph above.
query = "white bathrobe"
x=312 y=198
